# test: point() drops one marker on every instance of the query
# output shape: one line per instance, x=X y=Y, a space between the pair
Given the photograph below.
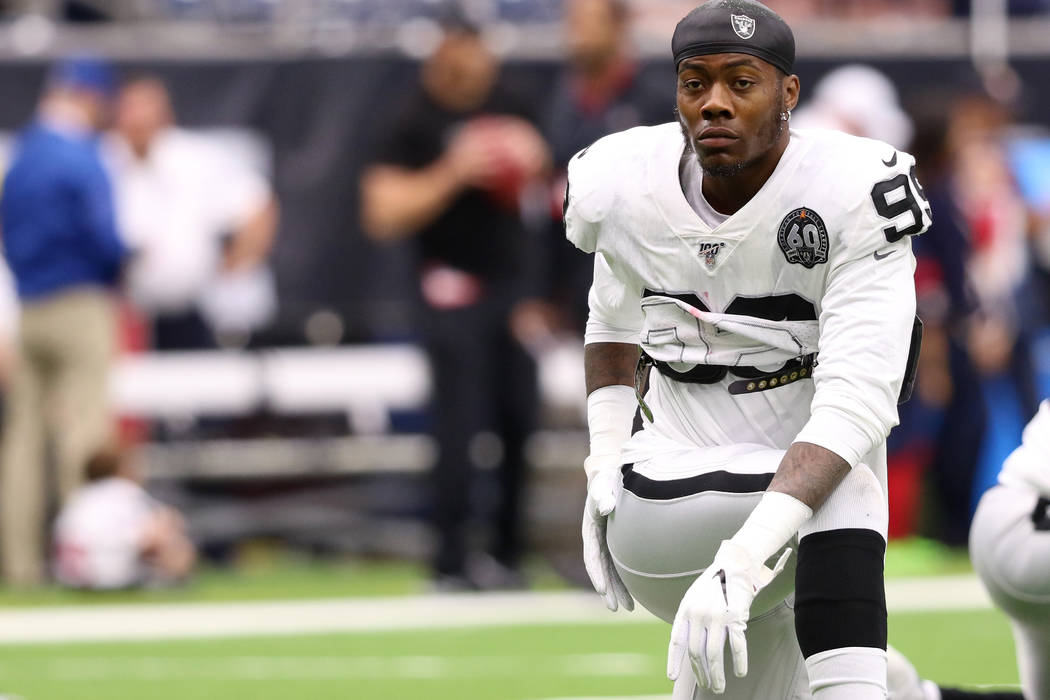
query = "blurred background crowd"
x=296 y=270
x=400 y=10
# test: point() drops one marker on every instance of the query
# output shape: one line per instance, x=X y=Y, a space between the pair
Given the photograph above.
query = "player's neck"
x=729 y=193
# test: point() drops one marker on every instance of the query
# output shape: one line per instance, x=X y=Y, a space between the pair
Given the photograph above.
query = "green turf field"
x=506 y=663
x=522 y=662
x=263 y=574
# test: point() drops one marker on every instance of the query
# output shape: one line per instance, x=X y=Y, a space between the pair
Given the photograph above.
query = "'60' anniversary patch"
x=804 y=238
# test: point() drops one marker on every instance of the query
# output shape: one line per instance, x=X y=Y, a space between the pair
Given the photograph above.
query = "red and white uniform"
x=98 y=535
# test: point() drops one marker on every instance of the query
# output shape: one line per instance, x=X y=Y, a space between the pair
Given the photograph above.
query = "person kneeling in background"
x=112 y=534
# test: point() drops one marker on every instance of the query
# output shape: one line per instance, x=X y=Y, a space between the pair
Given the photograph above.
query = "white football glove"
x=603 y=490
x=715 y=607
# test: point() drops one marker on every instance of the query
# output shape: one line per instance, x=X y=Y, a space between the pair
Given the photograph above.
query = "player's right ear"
x=791 y=88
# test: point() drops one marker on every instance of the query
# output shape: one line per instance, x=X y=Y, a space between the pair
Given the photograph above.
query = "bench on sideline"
x=366 y=383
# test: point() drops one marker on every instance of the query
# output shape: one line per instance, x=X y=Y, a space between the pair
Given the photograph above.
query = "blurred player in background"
x=858 y=100
x=905 y=684
x=448 y=174
x=60 y=241
x=1010 y=548
x=730 y=247
x=112 y=534
x=600 y=91
x=947 y=378
x=1000 y=266
x=193 y=214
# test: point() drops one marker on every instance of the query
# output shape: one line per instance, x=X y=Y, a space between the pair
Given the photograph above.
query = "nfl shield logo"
x=709 y=252
x=744 y=26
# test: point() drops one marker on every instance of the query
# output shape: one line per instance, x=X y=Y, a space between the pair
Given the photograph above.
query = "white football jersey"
x=98 y=535
x=818 y=261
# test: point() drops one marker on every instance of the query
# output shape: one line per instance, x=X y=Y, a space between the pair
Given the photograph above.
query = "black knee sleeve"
x=952 y=694
x=840 y=596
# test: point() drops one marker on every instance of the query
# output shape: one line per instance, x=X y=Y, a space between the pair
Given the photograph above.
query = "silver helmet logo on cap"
x=743 y=25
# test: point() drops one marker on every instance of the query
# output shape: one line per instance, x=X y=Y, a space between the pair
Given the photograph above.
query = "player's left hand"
x=715 y=607
x=603 y=490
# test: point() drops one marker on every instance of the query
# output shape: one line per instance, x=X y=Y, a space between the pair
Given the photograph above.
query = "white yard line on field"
x=335 y=668
x=209 y=620
x=202 y=620
x=926 y=594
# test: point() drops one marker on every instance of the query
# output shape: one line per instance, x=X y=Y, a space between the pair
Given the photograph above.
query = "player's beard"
x=769 y=135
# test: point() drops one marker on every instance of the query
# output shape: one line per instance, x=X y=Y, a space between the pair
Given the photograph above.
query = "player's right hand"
x=603 y=490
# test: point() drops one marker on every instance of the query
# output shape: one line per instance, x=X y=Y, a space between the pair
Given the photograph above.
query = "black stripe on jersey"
x=776 y=307
x=721 y=481
x=956 y=694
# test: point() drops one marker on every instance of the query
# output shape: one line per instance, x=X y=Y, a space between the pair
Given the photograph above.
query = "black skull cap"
x=734 y=26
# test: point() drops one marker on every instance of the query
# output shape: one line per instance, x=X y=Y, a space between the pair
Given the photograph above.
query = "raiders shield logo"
x=743 y=25
x=804 y=238
x=709 y=252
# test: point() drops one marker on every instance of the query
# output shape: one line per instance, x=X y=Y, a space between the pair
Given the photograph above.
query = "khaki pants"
x=58 y=390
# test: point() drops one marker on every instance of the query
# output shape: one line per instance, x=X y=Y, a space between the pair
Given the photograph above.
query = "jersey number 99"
x=890 y=209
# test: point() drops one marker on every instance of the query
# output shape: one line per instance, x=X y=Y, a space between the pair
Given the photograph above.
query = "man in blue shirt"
x=61 y=243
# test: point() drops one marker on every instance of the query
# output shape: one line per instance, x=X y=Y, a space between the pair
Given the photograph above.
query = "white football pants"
x=662 y=542
x=1012 y=557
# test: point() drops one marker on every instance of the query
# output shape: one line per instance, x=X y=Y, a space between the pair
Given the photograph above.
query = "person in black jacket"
x=448 y=174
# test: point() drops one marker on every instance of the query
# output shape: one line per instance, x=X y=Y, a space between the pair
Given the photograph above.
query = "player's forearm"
x=805 y=478
x=398 y=202
x=609 y=364
x=611 y=403
x=809 y=473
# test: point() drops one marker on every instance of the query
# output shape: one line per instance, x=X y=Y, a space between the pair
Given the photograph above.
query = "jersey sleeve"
x=866 y=317
x=589 y=195
x=614 y=303
x=890 y=203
